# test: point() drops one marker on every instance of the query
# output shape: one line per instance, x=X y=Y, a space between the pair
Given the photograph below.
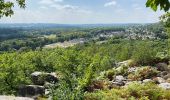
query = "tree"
x=6 y=7
x=166 y=19
x=154 y=4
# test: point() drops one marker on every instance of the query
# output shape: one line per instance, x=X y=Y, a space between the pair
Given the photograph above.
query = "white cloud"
x=66 y=7
x=43 y=7
x=49 y=2
x=112 y=3
x=59 y=5
x=57 y=11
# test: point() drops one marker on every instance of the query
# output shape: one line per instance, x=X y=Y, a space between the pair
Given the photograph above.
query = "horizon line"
x=83 y=23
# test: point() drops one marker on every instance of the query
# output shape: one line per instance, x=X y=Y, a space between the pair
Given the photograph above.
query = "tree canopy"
x=154 y=4
x=166 y=19
x=6 y=7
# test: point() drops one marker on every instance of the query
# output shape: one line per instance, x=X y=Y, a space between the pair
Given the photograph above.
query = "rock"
x=132 y=69
x=165 y=86
x=119 y=78
x=166 y=76
x=147 y=80
x=159 y=80
x=168 y=80
x=14 y=98
x=47 y=91
x=119 y=81
x=31 y=90
x=162 y=74
x=162 y=67
x=51 y=78
x=39 y=78
x=118 y=84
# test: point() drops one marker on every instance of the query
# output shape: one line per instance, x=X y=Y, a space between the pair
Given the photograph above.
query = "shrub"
x=143 y=73
x=110 y=74
x=144 y=53
x=134 y=91
x=122 y=70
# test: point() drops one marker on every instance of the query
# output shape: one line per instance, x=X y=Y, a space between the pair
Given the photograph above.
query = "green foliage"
x=144 y=53
x=79 y=64
x=166 y=19
x=13 y=72
x=154 y=4
x=65 y=91
x=6 y=7
x=143 y=73
x=134 y=91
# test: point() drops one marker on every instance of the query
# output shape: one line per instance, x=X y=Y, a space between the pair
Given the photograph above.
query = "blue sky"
x=83 y=12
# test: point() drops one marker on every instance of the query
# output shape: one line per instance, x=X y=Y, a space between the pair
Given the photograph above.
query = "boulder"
x=162 y=67
x=166 y=76
x=3 y=97
x=31 y=90
x=147 y=80
x=119 y=81
x=159 y=80
x=39 y=78
x=165 y=86
x=119 y=78
x=168 y=80
x=51 y=78
x=162 y=74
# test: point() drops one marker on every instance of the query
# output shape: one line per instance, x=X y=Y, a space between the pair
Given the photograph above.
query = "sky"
x=83 y=12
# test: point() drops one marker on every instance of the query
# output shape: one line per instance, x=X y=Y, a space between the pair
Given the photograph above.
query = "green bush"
x=143 y=73
x=134 y=91
x=144 y=53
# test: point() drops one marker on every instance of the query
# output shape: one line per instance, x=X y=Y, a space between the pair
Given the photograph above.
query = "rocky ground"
x=120 y=76
x=126 y=73
x=14 y=98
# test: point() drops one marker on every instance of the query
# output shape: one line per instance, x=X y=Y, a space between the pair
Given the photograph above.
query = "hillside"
x=125 y=62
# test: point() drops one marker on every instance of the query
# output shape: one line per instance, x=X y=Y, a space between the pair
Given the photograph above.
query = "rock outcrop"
x=40 y=82
x=14 y=98
x=31 y=90
x=162 y=67
x=39 y=78
x=122 y=75
x=165 y=86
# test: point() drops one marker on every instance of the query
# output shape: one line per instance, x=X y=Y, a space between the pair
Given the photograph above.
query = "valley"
x=85 y=62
